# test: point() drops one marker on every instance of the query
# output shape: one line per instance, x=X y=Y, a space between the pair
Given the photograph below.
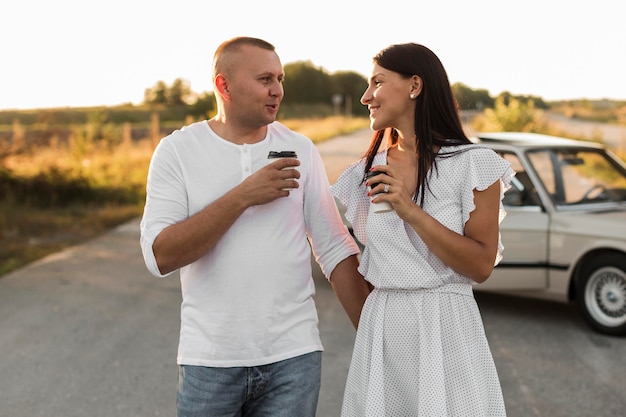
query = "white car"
x=564 y=234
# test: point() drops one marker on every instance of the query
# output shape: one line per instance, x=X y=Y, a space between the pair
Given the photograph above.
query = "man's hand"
x=270 y=182
x=184 y=242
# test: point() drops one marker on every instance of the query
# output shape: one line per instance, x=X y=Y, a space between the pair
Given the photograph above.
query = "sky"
x=71 y=53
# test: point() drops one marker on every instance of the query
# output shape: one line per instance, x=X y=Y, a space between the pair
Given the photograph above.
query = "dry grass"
x=28 y=232
x=322 y=129
x=32 y=233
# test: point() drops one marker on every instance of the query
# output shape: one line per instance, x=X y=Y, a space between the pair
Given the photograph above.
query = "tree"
x=510 y=115
x=538 y=102
x=305 y=83
x=351 y=85
x=178 y=94
x=470 y=99
x=204 y=106
x=156 y=94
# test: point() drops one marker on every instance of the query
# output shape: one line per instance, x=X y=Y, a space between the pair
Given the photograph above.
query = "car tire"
x=601 y=293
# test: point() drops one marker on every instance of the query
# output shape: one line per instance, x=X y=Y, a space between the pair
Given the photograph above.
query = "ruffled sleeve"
x=350 y=191
x=484 y=167
x=352 y=195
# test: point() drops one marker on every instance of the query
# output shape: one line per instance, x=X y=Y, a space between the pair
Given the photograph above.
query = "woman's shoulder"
x=358 y=166
x=477 y=164
x=470 y=152
x=355 y=168
x=459 y=148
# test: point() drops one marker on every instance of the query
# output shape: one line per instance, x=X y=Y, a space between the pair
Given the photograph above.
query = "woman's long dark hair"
x=437 y=119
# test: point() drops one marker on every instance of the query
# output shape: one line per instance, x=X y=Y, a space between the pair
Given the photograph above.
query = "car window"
x=522 y=191
x=575 y=176
x=544 y=168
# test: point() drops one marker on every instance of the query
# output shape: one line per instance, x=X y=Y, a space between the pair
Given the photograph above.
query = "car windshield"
x=579 y=176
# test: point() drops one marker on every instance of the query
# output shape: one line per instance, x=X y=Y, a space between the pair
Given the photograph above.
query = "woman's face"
x=387 y=98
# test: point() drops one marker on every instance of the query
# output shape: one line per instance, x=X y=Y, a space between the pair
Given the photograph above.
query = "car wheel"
x=601 y=293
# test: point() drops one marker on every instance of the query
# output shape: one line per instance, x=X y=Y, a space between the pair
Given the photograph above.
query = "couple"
x=241 y=231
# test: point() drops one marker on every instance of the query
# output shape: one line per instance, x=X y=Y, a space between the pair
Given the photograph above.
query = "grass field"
x=63 y=194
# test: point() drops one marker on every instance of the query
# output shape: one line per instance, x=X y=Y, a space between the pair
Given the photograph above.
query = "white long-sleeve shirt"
x=249 y=300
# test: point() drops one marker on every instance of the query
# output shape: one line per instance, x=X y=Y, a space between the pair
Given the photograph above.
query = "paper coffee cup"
x=273 y=156
x=383 y=206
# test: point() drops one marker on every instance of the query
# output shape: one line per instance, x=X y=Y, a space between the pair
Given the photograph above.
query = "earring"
x=412 y=96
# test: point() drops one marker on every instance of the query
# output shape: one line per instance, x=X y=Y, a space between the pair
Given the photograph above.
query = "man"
x=241 y=232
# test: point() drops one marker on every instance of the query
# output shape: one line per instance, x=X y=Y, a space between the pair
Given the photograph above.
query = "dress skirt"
x=422 y=353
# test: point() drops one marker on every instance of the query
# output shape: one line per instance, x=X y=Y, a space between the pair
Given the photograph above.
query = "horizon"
x=527 y=50
x=67 y=107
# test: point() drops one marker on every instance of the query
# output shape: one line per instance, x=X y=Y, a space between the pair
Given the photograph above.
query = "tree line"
x=309 y=86
x=310 y=91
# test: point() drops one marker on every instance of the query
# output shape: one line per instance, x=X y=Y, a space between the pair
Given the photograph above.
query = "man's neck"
x=236 y=134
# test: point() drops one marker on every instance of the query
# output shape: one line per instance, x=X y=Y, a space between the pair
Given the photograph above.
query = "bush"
x=55 y=188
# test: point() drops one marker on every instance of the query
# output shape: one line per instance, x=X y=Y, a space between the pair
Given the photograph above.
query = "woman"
x=420 y=348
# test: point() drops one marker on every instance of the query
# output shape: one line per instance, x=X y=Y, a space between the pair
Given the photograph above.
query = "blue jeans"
x=288 y=388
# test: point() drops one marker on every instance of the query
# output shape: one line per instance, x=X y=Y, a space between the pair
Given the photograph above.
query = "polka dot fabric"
x=420 y=349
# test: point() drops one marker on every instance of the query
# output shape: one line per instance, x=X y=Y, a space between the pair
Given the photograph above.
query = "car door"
x=524 y=233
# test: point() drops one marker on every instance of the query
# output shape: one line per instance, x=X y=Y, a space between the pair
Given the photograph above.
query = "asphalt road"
x=88 y=332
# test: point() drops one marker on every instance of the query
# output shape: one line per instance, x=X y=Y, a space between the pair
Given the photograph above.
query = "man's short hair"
x=234 y=45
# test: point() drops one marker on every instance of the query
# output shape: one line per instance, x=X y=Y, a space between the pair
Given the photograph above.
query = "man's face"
x=255 y=84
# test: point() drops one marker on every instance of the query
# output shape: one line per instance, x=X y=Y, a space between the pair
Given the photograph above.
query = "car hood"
x=603 y=224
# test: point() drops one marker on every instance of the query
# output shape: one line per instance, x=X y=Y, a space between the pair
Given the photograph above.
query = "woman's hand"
x=392 y=188
x=471 y=253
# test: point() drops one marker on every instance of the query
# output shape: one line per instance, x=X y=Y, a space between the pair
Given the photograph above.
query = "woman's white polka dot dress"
x=420 y=348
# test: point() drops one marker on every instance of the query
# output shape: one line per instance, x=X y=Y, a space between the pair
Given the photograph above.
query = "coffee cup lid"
x=282 y=154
